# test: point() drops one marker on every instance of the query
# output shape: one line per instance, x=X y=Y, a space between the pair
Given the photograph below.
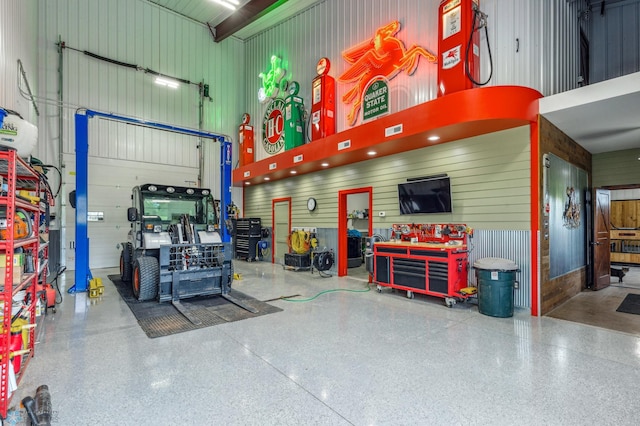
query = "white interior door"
x=281 y=230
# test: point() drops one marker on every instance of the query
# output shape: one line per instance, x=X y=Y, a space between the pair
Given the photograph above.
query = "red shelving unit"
x=17 y=175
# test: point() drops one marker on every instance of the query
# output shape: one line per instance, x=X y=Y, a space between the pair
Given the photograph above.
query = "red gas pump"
x=323 y=107
x=458 y=45
x=245 y=138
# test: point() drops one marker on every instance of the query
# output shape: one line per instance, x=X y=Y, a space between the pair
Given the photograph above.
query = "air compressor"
x=459 y=45
x=17 y=133
x=323 y=106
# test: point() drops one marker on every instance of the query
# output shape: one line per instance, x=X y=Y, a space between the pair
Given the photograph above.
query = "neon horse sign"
x=383 y=55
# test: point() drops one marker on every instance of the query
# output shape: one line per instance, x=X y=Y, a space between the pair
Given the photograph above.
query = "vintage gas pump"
x=245 y=138
x=458 y=45
x=293 y=118
x=323 y=121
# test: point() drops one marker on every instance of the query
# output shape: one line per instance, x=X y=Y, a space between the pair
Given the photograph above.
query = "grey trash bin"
x=496 y=280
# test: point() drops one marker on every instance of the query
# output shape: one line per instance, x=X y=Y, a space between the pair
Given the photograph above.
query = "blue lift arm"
x=83 y=273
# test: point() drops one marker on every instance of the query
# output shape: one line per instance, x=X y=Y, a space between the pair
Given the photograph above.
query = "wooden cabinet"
x=433 y=269
x=625 y=246
x=625 y=233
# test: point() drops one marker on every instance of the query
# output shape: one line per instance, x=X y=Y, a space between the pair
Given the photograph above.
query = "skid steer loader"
x=174 y=250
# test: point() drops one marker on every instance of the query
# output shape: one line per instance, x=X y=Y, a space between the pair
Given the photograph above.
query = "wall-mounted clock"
x=311 y=204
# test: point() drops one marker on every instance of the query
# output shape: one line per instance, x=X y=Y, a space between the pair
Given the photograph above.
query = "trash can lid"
x=495 y=263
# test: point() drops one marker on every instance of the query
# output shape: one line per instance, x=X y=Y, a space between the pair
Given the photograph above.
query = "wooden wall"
x=558 y=290
x=624 y=213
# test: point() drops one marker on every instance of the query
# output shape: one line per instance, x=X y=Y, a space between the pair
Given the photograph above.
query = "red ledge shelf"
x=452 y=117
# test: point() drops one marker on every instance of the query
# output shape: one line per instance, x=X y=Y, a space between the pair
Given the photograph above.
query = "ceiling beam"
x=242 y=17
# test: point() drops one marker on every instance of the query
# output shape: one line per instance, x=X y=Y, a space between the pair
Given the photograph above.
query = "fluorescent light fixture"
x=167 y=82
x=226 y=3
x=433 y=138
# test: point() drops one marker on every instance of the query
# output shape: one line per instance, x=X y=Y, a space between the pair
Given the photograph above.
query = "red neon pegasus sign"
x=382 y=55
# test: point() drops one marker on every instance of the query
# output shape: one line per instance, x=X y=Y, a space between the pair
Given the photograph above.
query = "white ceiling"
x=601 y=117
x=209 y=12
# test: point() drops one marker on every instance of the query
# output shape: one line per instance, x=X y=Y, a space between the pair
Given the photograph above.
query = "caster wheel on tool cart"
x=379 y=288
x=410 y=295
x=449 y=301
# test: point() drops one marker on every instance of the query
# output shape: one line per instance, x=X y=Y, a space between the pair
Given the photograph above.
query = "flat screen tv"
x=431 y=195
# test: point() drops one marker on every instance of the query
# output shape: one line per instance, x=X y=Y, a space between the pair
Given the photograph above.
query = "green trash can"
x=496 y=280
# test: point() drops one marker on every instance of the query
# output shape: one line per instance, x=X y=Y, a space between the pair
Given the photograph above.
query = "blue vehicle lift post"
x=83 y=273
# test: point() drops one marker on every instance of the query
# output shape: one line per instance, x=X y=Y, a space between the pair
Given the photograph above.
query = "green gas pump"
x=293 y=117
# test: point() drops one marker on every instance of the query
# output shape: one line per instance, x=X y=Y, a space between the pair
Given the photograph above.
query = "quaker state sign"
x=273 y=127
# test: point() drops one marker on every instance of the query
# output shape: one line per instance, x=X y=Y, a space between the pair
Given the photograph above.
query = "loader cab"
x=157 y=207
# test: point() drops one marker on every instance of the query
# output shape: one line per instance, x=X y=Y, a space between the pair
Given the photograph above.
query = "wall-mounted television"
x=425 y=195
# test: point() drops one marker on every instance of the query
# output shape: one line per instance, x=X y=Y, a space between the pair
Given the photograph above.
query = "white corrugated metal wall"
x=143 y=34
x=534 y=43
x=18 y=41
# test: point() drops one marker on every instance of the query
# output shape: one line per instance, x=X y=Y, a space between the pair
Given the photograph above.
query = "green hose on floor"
x=325 y=292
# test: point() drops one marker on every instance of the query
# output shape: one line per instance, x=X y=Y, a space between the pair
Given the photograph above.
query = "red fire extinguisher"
x=458 y=45
x=323 y=107
x=245 y=138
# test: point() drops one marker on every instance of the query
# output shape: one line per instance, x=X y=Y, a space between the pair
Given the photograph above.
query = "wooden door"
x=601 y=240
x=281 y=228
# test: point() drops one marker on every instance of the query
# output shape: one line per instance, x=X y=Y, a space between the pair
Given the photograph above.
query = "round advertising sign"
x=273 y=127
x=323 y=66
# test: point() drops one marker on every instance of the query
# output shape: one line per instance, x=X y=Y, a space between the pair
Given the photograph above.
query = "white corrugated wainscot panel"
x=18 y=41
x=142 y=34
x=512 y=245
x=615 y=40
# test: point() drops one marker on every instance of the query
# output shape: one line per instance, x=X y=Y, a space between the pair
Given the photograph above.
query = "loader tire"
x=146 y=278
x=125 y=263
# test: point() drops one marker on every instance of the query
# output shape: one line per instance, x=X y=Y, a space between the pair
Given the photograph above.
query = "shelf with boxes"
x=625 y=245
x=23 y=267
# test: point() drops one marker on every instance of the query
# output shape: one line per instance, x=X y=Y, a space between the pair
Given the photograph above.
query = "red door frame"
x=273 y=222
x=342 y=224
x=536 y=206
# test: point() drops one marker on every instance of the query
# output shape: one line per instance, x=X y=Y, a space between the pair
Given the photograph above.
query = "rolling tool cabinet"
x=247 y=236
x=24 y=267
x=436 y=268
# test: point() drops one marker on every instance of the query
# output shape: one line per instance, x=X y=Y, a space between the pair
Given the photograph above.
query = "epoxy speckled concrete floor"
x=343 y=358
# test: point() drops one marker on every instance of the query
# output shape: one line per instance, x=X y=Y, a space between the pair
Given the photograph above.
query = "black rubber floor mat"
x=162 y=319
x=630 y=304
